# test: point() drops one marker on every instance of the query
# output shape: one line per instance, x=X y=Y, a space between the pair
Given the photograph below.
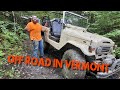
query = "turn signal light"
x=91 y=49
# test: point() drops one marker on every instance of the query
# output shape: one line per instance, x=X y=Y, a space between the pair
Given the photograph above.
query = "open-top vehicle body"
x=69 y=34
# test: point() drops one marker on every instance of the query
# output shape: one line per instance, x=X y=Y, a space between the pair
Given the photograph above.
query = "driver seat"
x=56 y=27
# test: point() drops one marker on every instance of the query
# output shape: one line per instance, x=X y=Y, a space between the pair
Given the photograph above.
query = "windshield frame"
x=64 y=13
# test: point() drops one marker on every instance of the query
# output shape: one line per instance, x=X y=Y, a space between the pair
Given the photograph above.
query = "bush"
x=107 y=23
x=10 y=44
x=117 y=52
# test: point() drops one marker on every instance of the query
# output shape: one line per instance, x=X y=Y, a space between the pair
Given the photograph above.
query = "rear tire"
x=73 y=74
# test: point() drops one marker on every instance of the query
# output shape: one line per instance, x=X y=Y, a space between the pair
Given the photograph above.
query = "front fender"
x=82 y=47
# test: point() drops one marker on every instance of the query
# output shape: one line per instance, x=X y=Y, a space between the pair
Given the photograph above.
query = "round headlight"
x=98 y=50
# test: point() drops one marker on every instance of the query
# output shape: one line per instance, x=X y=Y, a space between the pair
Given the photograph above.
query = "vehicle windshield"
x=75 y=19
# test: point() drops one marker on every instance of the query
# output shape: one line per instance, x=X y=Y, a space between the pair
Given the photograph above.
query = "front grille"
x=105 y=49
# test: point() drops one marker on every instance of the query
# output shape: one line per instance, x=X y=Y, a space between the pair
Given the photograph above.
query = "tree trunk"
x=14 y=19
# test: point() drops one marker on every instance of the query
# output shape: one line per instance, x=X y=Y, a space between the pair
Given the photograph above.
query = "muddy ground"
x=39 y=72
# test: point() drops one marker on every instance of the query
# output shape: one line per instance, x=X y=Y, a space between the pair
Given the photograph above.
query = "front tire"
x=73 y=74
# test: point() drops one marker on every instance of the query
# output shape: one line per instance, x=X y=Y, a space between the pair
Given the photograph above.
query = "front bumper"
x=115 y=68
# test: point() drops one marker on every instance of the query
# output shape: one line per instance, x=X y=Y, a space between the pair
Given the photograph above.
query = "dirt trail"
x=36 y=72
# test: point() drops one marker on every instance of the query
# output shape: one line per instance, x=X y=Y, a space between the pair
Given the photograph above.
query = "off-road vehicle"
x=69 y=35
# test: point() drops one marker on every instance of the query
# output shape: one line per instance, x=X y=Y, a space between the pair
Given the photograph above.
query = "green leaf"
x=1 y=54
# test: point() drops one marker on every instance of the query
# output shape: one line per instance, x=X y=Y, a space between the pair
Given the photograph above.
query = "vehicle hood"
x=82 y=33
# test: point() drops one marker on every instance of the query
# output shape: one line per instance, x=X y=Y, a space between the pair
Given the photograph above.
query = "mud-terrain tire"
x=73 y=74
x=115 y=76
